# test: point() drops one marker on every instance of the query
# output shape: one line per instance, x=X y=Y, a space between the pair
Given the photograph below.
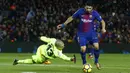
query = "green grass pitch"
x=111 y=63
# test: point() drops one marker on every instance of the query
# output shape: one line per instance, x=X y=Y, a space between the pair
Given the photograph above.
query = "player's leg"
x=38 y=58
x=96 y=52
x=82 y=41
x=90 y=51
x=96 y=49
x=83 y=54
x=96 y=55
x=26 y=61
x=39 y=53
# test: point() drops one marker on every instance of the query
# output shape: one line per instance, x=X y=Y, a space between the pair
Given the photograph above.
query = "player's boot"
x=90 y=56
x=98 y=66
x=47 y=62
x=15 y=62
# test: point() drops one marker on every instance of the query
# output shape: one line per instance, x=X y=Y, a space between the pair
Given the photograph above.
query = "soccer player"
x=51 y=50
x=86 y=32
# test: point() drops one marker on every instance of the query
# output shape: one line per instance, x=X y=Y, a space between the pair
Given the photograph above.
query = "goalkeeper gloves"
x=74 y=58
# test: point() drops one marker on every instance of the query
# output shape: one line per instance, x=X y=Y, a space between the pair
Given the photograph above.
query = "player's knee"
x=96 y=46
x=83 y=48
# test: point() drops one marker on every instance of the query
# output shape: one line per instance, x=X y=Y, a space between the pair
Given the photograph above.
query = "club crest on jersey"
x=90 y=16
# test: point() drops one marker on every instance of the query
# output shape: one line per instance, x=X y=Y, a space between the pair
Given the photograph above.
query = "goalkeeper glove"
x=74 y=58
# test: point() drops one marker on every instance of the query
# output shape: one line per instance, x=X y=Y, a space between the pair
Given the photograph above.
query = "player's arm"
x=65 y=23
x=46 y=39
x=64 y=57
x=99 y=18
x=103 y=26
x=70 y=19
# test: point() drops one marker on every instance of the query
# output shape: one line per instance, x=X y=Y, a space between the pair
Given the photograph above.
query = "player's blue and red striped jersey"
x=86 y=19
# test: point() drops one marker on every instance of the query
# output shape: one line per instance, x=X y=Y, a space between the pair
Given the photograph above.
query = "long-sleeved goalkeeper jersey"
x=50 y=51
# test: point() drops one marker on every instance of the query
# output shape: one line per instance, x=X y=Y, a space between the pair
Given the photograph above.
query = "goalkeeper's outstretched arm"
x=46 y=39
x=64 y=57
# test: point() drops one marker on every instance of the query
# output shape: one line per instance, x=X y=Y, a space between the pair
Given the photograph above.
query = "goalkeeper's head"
x=89 y=7
x=59 y=44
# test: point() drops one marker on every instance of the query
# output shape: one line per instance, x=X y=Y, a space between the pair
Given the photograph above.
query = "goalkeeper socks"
x=83 y=56
x=96 y=55
x=26 y=61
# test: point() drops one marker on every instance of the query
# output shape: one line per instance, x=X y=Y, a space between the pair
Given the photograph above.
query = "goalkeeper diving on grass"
x=53 y=49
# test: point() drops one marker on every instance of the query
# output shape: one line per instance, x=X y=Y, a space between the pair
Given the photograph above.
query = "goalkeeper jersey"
x=50 y=51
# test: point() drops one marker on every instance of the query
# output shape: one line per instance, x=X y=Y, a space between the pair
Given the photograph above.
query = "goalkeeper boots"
x=47 y=62
x=90 y=56
x=15 y=62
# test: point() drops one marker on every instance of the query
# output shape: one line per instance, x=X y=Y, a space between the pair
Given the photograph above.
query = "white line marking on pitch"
x=28 y=72
x=63 y=65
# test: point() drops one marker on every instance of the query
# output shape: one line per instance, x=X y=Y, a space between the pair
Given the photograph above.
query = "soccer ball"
x=87 y=68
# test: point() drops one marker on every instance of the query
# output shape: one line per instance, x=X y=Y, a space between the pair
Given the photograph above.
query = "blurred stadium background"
x=26 y=20
x=23 y=21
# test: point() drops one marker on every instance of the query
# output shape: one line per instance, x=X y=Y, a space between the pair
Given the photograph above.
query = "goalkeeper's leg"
x=35 y=59
x=26 y=61
x=38 y=58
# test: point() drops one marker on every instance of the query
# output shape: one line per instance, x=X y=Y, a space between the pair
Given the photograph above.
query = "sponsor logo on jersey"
x=82 y=15
x=86 y=20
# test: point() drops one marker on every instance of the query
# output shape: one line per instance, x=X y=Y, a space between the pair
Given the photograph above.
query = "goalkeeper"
x=52 y=50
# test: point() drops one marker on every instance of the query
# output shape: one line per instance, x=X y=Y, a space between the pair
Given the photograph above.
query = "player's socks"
x=91 y=52
x=83 y=56
x=96 y=55
x=26 y=61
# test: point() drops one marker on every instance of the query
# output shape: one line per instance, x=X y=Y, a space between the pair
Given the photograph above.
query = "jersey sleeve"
x=63 y=56
x=47 y=40
x=76 y=14
x=98 y=17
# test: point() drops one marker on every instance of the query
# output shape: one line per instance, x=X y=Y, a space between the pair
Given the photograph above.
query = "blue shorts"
x=84 y=38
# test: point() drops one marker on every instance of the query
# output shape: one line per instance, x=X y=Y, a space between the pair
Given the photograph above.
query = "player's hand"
x=103 y=30
x=73 y=59
x=59 y=26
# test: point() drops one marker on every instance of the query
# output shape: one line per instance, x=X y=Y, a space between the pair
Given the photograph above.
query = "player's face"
x=89 y=8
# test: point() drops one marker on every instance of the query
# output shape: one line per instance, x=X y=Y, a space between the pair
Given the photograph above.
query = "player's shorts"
x=85 y=37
